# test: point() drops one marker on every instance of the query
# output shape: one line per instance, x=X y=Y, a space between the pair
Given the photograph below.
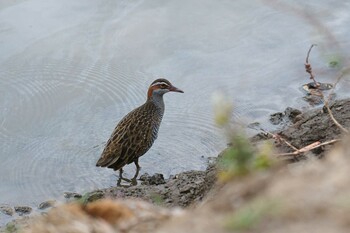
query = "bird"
x=136 y=132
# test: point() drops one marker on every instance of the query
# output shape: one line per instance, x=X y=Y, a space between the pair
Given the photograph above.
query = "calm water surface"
x=69 y=70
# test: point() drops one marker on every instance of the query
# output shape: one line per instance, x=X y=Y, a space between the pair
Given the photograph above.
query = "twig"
x=309 y=147
x=308 y=67
x=279 y=138
x=308 y=53
x=334 y=120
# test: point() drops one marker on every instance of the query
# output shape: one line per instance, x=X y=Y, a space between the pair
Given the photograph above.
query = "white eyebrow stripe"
x=160 y=83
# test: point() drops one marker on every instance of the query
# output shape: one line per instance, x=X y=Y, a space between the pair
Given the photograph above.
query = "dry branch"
x=309 y=147
x=279 y=138
x=308 y=67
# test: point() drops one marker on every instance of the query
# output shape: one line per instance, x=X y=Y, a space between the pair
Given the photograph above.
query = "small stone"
x=156 y=179
x=22 y=210
x=258 y=137
x=69 y=195
x=292 y=113
x=313 y=100
x=6 y=210
x=276 y=118
x=144 y=177
x=254 y=125
x=46 y=204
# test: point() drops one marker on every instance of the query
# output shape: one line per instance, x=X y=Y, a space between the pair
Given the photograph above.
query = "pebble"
x=46 y=204
x=69 y=195
x=276 y=118
x=6 y=210
x=292 y=113
x=156 y=179
x=288 y=114
x=144 y=177
x=22 y=210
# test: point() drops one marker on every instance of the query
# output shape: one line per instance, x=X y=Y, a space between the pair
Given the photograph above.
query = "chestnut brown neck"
x=150 y=92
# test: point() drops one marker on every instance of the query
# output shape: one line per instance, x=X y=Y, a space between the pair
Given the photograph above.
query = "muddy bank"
x=180 y=190
x=302 y=129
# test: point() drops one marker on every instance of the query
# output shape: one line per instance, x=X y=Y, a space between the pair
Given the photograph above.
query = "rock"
x=289 y=114
x=254 y=125
x=6 y=210
x=276 y=118
x=47 y=204
x=292 y=113
x=70 y=195
x=144 y=177
x=156 y=179
x=259 y=137
x=23 y=210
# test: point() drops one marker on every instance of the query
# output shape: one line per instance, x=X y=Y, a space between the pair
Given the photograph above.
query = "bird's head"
x=160 y=87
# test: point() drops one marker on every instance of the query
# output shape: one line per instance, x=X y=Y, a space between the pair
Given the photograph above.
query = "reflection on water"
x=71 y=69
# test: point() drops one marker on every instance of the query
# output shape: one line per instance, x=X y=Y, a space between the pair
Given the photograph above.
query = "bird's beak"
x=175 y=89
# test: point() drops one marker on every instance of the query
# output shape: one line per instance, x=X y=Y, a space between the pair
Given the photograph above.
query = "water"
x=71 y=69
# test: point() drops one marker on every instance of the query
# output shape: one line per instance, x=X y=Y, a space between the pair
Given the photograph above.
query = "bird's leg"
x=136 y=161
x=121 y=177
x=138 y=168
x=134 y=179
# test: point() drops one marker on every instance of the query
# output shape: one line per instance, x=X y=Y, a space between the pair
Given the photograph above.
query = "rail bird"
x=136 y=132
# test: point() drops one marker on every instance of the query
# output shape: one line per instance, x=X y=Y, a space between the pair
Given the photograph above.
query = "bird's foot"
x=131 y=182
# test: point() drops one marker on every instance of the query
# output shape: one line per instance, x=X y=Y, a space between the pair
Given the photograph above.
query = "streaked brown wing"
x=114 y=147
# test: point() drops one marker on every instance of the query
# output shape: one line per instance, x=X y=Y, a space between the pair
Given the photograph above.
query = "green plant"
x=157 y=199
x=239 y=158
